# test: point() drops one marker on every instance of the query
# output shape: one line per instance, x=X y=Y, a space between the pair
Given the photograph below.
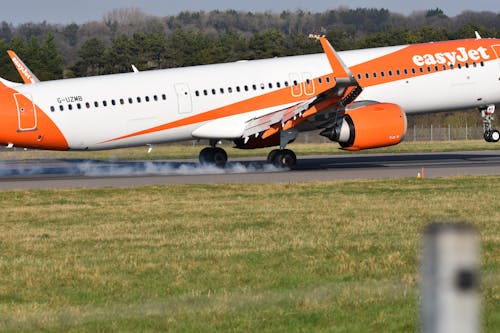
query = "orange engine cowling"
x=371 y=126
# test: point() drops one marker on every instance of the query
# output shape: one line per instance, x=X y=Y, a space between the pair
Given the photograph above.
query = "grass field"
x=309 y=257
x=189 y=151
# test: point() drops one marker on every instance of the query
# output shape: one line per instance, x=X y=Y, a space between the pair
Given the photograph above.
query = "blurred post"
x=450 y=300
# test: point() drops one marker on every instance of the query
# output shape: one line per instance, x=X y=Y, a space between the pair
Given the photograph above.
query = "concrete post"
x=450 y=300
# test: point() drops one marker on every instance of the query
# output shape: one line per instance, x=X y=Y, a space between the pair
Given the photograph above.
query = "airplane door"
x=308 y=83
x=295 y=85
x=26 y=113
x=184 y=101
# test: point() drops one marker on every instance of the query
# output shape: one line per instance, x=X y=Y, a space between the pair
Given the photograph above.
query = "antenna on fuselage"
x=478 y=36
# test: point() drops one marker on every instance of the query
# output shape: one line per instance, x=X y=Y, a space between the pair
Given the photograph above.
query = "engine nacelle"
x=371 y=126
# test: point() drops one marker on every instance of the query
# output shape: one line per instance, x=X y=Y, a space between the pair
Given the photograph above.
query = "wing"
x=342 y=92
x=26 y=74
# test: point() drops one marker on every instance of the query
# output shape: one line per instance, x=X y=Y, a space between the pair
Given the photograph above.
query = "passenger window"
x=459 y=66
x=113 y=102
x=138 y=99
x=436 y=68
x=52 y=108
x=482 y=63
x=374 y=74
x=70 y=106
x=213 y=91
x=221 y=90
x=262 y=86
x=421 y=70
x=328 y=79
x=246 y=88
x=390 y=73
x=451 y=66
x=122 y=101
x=398 y=72
x=382 y=74
x=295 y=83
x=278 y=84
x=147 y=97
x=474 y=64
x=320 y=80
x=130 y=100
x=78 y=106
x=229 y=90
x=197 y=93
x=205 y=92
x=238 y=88
x=254 y=87
x=466 y=65
x=413 y=70
x=286 y=82
x=429 y=69
x=270 y=85
x=367 y=75
x=61 y=107
x=155 y=97
x=164 y=97
x=96 y=104
x=104 y=103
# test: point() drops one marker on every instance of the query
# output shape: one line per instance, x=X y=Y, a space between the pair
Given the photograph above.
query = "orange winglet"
x=338 y=66
x=24 y=71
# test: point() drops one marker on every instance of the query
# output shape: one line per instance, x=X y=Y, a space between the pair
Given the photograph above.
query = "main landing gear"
x=490 y=134
x=213 y=155
x=284 y=158
x=280 y=158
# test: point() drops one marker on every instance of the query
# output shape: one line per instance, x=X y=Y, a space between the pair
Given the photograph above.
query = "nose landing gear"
x=490 y=134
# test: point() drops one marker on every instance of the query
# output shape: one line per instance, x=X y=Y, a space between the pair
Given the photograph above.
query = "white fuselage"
x=101 y=112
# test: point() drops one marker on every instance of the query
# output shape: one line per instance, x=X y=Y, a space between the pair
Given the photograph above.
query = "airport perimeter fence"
x=415 y=133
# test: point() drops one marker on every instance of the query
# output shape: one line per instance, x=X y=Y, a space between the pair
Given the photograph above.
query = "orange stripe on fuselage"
x=274 y=98
x=46 y=135
x=423 y=58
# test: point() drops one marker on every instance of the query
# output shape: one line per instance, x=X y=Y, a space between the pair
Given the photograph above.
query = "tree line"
x=128 y=36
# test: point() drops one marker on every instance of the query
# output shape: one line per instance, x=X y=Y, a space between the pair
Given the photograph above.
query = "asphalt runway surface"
x=77 y=173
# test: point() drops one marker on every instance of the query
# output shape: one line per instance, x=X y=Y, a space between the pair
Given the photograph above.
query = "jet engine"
x=371 y=126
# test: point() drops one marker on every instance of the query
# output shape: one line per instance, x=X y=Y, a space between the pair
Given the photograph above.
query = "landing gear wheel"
x=284 y=159
x=272 y=155
x=213 y=156
x=494 y=136
x=206 y=156
x=219 y=157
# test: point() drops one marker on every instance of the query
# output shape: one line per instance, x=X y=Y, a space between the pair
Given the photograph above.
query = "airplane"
x=357 y=98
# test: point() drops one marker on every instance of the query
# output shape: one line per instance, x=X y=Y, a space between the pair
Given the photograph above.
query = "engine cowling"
x=371 y=126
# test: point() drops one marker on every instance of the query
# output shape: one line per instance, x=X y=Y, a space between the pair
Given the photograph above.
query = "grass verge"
x=173 y=151
x=322 y=257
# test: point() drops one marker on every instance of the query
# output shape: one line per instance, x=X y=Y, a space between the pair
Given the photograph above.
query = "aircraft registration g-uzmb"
x=357 y=98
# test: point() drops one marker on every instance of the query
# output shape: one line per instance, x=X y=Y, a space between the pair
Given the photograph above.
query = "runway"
x=76 y=173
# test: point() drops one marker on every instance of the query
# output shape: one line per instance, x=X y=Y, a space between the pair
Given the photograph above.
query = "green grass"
x=318 y=257
x=173 y=151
